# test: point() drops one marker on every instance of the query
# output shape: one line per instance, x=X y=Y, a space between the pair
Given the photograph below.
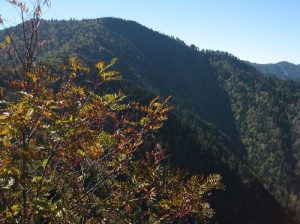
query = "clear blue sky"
x=256 y=30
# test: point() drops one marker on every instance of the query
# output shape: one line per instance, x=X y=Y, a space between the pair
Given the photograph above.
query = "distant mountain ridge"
x=283 y=70
x=228 y=117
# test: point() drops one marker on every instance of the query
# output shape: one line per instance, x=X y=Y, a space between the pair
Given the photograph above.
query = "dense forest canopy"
x=283 y=70
x=228 y=118
x=74 y=150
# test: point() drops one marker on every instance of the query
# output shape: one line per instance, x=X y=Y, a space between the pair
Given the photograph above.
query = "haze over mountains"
x=228 y=117
x=283 y=70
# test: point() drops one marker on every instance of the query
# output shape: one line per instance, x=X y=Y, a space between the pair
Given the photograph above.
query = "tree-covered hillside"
x=267 y=116
x=283 y=70
x=228 y=118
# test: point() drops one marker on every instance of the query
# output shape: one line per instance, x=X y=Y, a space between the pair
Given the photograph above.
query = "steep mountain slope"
x=267 y=115
x=228 y=118
x=283 y=70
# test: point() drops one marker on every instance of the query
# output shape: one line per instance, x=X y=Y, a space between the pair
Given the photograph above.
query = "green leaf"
x=44 y=163
x=81 y=152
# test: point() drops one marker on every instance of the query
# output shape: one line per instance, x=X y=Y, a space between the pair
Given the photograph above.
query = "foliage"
x=202 y=134
x=71 y=155
x=89 y=146
x=243 y=123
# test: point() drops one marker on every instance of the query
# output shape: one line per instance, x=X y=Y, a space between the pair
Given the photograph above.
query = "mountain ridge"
x=235 y=117
x=283 y=70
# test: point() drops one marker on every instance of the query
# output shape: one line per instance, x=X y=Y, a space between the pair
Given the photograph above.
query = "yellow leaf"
x=8 y=39
x=14 y=209
x=100 y=65
x=5 y=131
x=73 y=75
x=2 y=45
x=32 y=76
x=44 y=163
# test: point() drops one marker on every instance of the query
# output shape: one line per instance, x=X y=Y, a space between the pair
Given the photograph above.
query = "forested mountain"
x=227 y=118
x=283 y=70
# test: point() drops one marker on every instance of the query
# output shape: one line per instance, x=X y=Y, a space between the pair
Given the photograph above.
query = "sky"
x=262 y=31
